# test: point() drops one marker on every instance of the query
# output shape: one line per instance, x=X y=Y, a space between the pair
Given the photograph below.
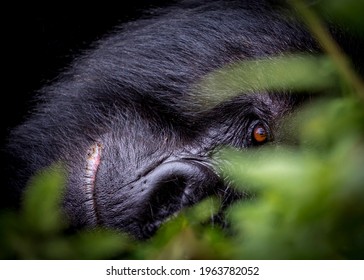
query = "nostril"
x=168 y=182
x=178 y=175
x=174 y=185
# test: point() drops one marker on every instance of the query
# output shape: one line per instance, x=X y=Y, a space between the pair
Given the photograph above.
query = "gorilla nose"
x=174 y=185
x=185 y=181
x=141 y=206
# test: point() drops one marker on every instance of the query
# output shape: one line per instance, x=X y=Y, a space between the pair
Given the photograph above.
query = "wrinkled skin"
x=133 y=134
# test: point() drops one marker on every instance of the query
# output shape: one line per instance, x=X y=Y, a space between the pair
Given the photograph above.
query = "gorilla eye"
x=260 y=134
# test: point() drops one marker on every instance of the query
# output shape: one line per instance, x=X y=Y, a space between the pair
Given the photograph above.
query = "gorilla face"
x=130 y=126
x=136 y=175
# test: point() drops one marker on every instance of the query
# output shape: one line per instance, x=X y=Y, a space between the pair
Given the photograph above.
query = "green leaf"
x=42 y=200
x=283 y=73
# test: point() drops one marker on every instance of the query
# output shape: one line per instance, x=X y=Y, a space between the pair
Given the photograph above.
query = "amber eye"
x=260 y=134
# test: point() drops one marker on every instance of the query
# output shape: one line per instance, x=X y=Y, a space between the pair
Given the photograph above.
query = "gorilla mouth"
x=92 y=164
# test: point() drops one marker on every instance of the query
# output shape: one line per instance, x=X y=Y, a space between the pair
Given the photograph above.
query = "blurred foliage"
x=349 y=13
x=266 y=74
x=309 y=194
x=310 y=203
x=39 y=231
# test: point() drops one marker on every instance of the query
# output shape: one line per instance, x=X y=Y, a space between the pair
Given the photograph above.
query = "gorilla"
x=126 y=120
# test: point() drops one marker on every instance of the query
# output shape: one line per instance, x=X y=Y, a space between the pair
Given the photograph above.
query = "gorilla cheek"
x=141 y=206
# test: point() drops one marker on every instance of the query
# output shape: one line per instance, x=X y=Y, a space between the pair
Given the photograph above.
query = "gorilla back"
x=125 y=121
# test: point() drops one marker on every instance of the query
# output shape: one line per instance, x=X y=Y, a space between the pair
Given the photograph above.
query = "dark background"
x=38 y=43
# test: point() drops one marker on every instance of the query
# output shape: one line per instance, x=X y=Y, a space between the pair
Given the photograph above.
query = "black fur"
x=132 y=94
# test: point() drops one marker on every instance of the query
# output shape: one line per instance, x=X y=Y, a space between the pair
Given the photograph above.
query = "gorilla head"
x=126 y=121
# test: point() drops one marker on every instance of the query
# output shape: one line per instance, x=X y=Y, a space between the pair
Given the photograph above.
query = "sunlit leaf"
x=294 y=72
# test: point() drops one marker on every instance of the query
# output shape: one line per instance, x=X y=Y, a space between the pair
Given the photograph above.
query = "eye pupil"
x=260 y=134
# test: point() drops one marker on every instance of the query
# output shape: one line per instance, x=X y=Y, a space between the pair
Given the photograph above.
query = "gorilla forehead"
x=156 y=60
